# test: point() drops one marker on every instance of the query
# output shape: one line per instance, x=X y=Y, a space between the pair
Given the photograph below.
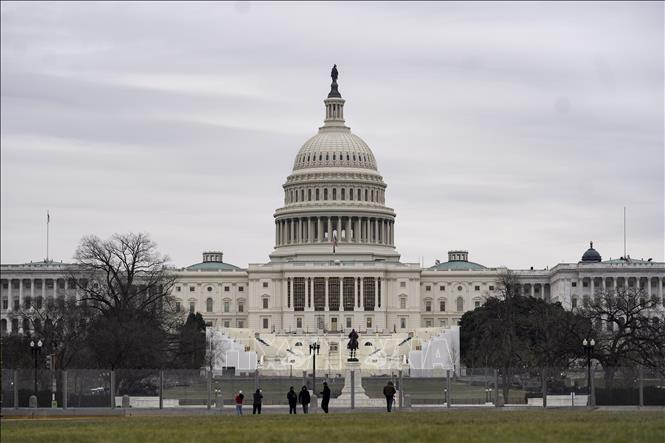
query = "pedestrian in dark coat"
x=304 y=399
x=389 y=391
x=326 y=397
x=292 y=397
x=256 y=404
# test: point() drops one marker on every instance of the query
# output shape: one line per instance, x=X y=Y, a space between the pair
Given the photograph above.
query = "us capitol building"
x=335 y=267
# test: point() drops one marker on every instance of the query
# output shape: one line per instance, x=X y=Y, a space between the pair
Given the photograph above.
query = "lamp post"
x=36 y=348
x=314 y=351
x=588 y=349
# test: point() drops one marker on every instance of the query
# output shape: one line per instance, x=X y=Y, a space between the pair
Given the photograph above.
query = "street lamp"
x=36 y=349
x=588 y=349
x=314 y=351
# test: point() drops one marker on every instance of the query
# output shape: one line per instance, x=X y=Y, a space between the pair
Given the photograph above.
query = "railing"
x=169 y=388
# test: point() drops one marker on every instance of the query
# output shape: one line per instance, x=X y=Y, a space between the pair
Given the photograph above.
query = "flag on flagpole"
x=334 y=241
x=48 y=217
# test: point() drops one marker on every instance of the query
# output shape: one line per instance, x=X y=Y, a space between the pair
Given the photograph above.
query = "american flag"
x=48 y=217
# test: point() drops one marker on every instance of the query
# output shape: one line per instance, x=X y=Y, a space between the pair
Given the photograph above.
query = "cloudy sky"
x=518 y=131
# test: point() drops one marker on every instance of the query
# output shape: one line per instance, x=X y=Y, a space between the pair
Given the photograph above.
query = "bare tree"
x=628 y=329
x=128 y=284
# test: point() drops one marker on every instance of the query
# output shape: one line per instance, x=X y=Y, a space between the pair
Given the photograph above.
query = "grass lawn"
x=446 y=426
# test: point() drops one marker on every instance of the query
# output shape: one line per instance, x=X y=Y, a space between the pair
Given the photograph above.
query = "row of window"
x=428 y=288
x=210 y=288
x=370 y=195
x=307 y=158
x=442 y=304
x=621 y=282
x=210 y=306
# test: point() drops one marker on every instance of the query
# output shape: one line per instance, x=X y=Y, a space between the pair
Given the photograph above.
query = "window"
x=265 y=303
x=226 y=306
x=227 y=289
x=428 y=288
x=442 y=305
x=585 y=284
x=491 y=288
x=476 y=304
x=460 y=304
x=369 y=293
x=241 y=307
x=320 y=323
x=402 y=284
x=428 y=306
x=209 y=305
x=298 y=293
x=459 y=288
x=333 y=293
x=334 y=194
x=442 y=288
x=5 y=304
x=369 y=322
x=402 y=323
x=443 y=322
x=227 y=324
x=428 y=323
x=574 y=284
x=319 y=293
x=240 y=323
x=192 y=289
x=402 y=303
x=325 y=193
x=299 y=322
x=177 y=289
x=192 y=307
x=477 y=288
x=208 y=324
x=347 y=296
x=265 y=284
x=241 y=289
x=265 y=323
x=348 y=322
x=177 y=306
x=209 y=288
x=574 y=302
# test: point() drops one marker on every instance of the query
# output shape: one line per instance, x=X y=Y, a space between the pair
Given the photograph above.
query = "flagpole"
x=48 y=222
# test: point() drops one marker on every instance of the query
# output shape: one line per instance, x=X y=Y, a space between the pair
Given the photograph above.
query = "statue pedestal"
x=361 y=399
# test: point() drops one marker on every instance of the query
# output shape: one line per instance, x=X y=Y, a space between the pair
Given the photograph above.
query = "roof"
x=458 y=265
x=617 y=261
x=213 y=266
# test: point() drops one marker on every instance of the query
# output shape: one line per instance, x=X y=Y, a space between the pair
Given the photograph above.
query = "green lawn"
x=445 y=426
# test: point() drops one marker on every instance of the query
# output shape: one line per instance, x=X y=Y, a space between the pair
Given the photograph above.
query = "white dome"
x=335 y=147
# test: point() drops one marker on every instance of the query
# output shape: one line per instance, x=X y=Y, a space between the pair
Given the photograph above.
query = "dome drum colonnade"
x=335 y=193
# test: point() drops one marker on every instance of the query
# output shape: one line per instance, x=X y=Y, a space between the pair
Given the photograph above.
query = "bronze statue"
x=334 y=73
x=353 y=345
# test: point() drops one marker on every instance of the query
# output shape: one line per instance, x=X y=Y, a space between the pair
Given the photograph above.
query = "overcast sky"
x=518 y=131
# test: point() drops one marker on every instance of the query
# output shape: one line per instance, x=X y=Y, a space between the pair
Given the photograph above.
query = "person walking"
x=292 y=397
x=304 y=399
x=239 y=399
x=326 y=397
x=256 y=404
x=389 y=391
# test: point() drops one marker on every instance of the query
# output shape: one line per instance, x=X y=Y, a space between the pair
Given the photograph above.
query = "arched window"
x=350 y=194
x=317 y=194
x=325 y=193
x=309 y=195
x=460 y=304
x=428 y=305
x=365 y=194
x=209 y=305
x=343 y=194
x=358 y=194
x=334 y=194
x=302 y=194
x=368 y=343
x=442 y=305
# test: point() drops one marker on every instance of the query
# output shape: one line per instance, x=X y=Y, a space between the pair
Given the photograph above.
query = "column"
x=319 y=231
x=291 y=231
x=355 y=294
x=32 y=292
x=362 y=295
x=660 y=291
x=614 y=285
x=276 y=233
x=330 y=229
x=375 y=225
x=10 y=298
x=20 y=296
x=376 y=295
x=348 y=230
x=310 y=238
x=383 y=232
x=306 y=293
x=339 y=229
x=44 y=290
x=326 y=292
x=604 y=285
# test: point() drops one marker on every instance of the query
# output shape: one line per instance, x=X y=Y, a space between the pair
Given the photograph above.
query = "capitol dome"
x=334 y=199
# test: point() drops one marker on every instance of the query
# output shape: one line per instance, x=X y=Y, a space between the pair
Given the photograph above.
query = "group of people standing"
x=304 y=398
